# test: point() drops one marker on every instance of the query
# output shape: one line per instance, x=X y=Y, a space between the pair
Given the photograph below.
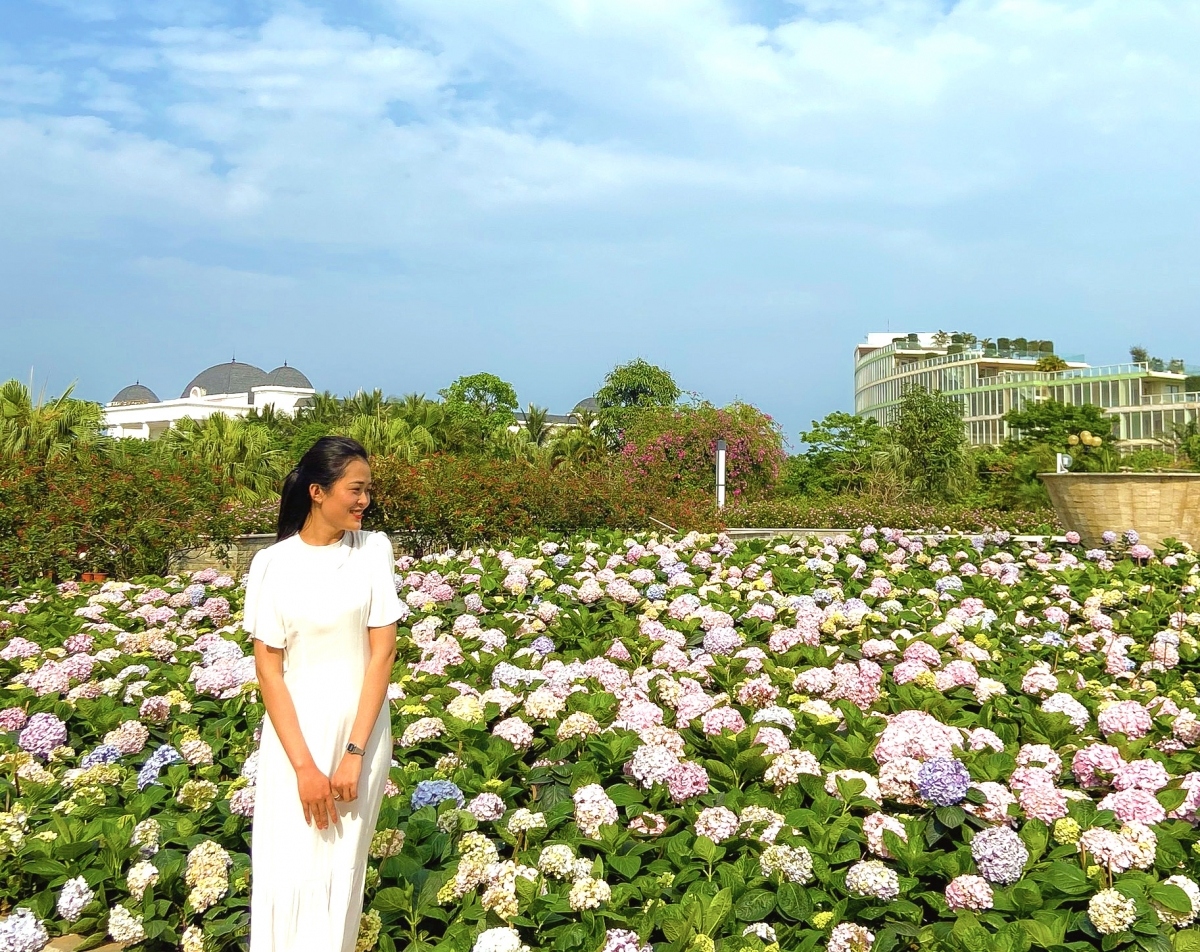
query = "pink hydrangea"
x=917 y=735
x=1134 y=805
x=722 y=719
x=687 y=780
x=1143 y=775
x=1095 y=763
x=969 y=892
x=1125 y=717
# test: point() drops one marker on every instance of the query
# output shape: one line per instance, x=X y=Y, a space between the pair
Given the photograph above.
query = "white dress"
x=316 y=603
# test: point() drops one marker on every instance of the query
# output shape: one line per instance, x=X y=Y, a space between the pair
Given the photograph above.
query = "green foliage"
x=35 y=428
x=481 y=403
x=1054 y=423
x=627 y=389
x=929 y=445
x=842 y=452
x=676 y=448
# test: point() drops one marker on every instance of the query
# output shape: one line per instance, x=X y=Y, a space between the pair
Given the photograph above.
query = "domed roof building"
x=233 y=388
x=286 y=376
x=132 y=396
x=226 y=378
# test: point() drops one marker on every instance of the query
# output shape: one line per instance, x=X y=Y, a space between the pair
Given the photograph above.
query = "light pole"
x=720 y=474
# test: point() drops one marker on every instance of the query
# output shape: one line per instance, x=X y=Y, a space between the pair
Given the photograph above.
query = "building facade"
x=233 y=389
x=990 y=379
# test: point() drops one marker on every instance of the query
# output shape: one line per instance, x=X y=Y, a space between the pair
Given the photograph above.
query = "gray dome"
x=588 y=403
x=227 y=378
x=286 y=376
x=132 y=395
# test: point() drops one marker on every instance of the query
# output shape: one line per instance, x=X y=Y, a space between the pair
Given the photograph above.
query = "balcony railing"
x=1168 y=399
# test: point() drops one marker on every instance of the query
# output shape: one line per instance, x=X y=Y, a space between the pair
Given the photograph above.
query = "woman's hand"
x=316 y=796
x=345 y=778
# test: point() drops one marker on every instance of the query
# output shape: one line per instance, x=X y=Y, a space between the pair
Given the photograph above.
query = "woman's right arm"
x=316 y=794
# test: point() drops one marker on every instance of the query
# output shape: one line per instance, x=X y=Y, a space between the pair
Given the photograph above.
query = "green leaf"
x=950 y=817
x=393 y=899
x=754 y=906
x=623 y=795
x=1066 y=878
x=627 y=866
x=718 y=909
x=705 y=848
x=1172 y=798
x=793 y=901
x=1187 y=940
x=1171 y=897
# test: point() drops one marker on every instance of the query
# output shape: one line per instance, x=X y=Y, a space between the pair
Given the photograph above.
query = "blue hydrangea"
x=542 y=644
x=195 y=594
x=948 y=583
x=103 y=754
x=823 y=596
x=429 y=793
x=165 y=755
x=561 y=560
x=656 y=592
x=1053 y=639
x=1131 y=536
x=943 y=781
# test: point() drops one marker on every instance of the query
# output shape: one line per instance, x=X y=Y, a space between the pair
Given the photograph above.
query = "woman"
x=321 y=604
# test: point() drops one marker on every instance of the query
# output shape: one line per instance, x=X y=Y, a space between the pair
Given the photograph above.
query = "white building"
x=233 y=389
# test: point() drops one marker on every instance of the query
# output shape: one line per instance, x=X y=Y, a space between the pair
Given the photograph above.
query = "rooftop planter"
x=1158 y=505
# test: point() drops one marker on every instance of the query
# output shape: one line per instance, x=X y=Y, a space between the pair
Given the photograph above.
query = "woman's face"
x=342 y=505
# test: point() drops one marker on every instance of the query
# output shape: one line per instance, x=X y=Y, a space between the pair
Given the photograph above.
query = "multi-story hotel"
x=1145 y=400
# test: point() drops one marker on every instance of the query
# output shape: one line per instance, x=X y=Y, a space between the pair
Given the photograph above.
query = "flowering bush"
x=676 y=447
x=867 y=742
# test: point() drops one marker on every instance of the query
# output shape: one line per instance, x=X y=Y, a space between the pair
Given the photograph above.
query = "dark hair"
x=323 y=464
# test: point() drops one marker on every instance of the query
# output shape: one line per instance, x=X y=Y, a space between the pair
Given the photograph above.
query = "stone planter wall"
x=1158 y=505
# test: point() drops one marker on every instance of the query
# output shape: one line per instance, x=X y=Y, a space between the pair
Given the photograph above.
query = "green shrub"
x=852 y=511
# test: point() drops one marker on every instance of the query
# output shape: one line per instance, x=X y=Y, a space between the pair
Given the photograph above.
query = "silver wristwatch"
x=353 y=748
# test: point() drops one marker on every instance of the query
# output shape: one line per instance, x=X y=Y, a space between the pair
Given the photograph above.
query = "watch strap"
x=353 y=748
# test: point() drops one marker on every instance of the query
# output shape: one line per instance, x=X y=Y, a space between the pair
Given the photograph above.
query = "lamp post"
x=720 y=474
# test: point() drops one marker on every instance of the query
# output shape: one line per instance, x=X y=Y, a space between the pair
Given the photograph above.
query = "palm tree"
x=391 y=436
x=366 y=404
x=42 y=429
x=243 y=453
x=323 y=408
x=535 y=424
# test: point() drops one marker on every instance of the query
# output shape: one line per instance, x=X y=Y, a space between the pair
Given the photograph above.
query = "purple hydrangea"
x=1108 y=537
x=429 y=793
x=999 y=854
x=656 y=592
x=42 y=734
x=542 y=644
x=1131 y=537
x=561 y=560
x=103 y=754
x=943 y=780
x=947 y=583
x=153 y=766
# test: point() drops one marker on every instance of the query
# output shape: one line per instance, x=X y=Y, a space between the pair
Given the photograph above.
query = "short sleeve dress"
x=316 y=603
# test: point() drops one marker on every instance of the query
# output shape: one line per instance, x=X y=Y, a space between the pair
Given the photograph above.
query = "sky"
x=392 y=194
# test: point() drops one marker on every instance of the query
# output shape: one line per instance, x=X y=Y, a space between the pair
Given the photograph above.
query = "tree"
x=1053 y=423
x=40 y=429
x=1139 y=354
x=391 y=436
x=481 y=402
x=242 y=453
x=536 y=426
x=840 y=455
x=1051 y=363
x=928 y=443
x=628 y=388
x=941 y=339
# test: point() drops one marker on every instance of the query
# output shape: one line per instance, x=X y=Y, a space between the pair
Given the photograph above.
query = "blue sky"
x=391 y=194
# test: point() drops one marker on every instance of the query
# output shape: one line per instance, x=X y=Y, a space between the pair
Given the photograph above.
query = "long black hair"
x=323 y=464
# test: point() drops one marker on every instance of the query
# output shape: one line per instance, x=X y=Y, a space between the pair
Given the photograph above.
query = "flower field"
x=862 y=742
